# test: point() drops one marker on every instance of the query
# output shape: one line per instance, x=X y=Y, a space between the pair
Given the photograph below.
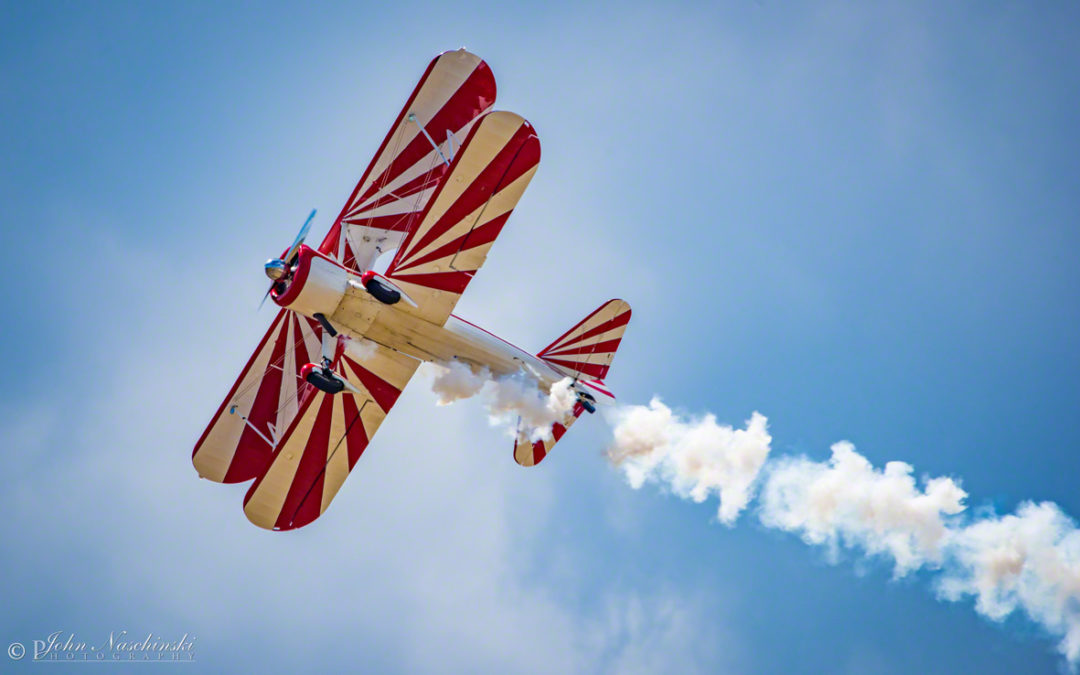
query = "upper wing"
x=454 y=90
x=237 y=443
x=487 y=178
x=325 y=439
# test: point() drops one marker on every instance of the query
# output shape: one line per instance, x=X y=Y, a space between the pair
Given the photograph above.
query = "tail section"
x=587 y=349
x=528 y=452
x=584 y=353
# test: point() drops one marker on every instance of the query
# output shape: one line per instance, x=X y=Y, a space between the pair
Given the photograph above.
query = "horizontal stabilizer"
x=528 y=452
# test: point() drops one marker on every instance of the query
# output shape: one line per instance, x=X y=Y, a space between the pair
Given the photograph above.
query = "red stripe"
x=597 y=387
x=252 y=454
x=590 y=369
x=539 y=452
x=310 y=506
x=501 y=171
x=306 y=399
x=620 y=320
x=485 y=234
x=306 y=489
x=356 y=438
x=452 y=282
x=384 y=393
x=606 y=347
x=236 y=384
x=557 y=432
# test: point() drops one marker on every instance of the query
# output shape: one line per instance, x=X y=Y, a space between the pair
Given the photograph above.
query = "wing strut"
x=412 y=118
x=232 y=411
x=451 y=139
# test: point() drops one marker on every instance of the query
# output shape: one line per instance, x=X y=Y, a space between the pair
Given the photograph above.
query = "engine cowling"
x=314 y=284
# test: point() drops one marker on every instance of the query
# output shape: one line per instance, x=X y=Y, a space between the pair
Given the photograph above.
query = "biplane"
x=360 y=313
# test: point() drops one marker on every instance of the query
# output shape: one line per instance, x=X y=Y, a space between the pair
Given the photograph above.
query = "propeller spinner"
x=276 y=268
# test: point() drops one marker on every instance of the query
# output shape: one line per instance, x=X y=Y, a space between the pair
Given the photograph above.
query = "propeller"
x=276 y=268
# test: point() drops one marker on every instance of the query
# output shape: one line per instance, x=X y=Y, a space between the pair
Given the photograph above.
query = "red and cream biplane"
x=348 y=338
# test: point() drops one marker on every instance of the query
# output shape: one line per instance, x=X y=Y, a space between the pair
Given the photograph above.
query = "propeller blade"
x=299 y=238
x=275 y=268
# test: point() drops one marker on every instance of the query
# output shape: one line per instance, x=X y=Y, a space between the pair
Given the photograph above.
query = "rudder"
x=587 y=349
x=585 y=353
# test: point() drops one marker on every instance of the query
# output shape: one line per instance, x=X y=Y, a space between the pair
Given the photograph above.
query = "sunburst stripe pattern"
x=589 y=347
x=265 y=393
x=453 y=92
x=531 y=453
x=327 y=437
x=442 y=253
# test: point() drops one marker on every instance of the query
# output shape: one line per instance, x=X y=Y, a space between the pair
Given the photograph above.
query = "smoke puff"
x=1028 y=561
x=848 y=501
x=360 y=349
x=456 y=381
x=508 y=398
x=695 y=457
x=518 y=395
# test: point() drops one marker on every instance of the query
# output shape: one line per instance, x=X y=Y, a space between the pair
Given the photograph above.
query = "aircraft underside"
x=370 y=307
x=347 y=340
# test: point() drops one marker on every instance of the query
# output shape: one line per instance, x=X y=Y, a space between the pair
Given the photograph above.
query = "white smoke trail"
x=846 y=501
x=360 y=349
x=456 y=381
x=696 y=457
x=1027 y=562
x=507 y=398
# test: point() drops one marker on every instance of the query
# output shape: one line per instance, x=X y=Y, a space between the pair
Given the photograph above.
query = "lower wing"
x=329 y=433
x=240 y=438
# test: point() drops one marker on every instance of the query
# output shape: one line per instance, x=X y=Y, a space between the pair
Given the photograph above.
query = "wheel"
x=381 y=292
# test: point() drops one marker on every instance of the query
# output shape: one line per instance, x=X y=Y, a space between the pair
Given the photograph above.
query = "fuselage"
x=320 y=285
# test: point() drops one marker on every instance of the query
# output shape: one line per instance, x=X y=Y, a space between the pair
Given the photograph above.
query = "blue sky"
x=858 y=220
